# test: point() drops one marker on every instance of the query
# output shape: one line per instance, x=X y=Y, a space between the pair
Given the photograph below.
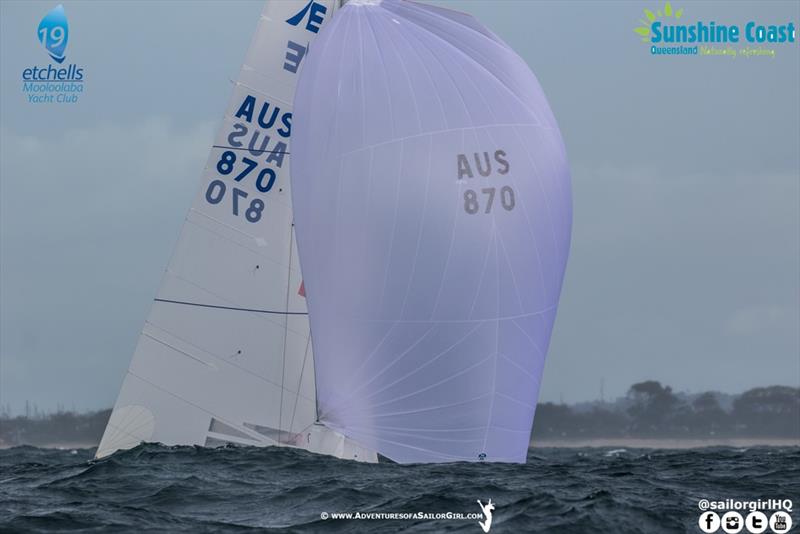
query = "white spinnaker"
x=432 y=203
x=225 y=354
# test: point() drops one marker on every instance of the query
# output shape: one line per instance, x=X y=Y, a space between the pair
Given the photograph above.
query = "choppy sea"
x=155 y=488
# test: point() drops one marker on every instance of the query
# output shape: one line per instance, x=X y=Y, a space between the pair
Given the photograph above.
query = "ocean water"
x=183 y=489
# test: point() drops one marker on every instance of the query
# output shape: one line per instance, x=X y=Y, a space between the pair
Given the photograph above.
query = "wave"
x=237 y=489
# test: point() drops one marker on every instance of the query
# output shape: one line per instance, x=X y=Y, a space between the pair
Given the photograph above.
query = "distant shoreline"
x=60 y=446
x=664 y=443
x=600 y=443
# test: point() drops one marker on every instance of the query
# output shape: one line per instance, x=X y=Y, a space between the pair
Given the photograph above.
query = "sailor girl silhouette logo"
x=487 y=509
x=53 y=33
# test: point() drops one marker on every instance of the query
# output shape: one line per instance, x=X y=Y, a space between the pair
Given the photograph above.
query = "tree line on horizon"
x=653 y=410
x=648 y=410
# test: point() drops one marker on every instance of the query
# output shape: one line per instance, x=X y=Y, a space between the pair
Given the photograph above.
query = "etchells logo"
x=54 y=83
x=670 y=34
x=310 y=18
x=54 y=32
x=316 y=13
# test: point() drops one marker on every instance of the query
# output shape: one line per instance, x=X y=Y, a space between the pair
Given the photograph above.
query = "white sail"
x=431 y=192
x=225 y=355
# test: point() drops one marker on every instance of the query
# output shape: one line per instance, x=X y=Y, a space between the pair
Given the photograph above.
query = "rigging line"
x=286 y=328
x=313 y=368
x=252 y=151
x=496 y=336
x=300 y=383
x=253 y=310
x=271 y=318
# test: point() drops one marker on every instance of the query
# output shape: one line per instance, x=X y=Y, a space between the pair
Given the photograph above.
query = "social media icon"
x=780 y=522
x=709 y=522
x=732 y=522
x=756 y=522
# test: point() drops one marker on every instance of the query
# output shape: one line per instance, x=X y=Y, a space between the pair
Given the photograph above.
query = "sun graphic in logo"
x=644 y=29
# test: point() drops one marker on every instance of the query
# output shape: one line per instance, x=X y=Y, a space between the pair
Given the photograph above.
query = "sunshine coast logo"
x=54 y=82
x=670 y=34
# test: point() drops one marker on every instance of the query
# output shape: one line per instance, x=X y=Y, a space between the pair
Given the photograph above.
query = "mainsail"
x=432 y=206
x=225 y=355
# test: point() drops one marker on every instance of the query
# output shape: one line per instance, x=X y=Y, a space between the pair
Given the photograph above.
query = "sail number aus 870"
x=472 y=203
x=217 y=188
x=216 y=192
x=265 y=179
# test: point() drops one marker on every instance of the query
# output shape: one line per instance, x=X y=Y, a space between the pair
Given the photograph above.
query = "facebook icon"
x=709 y=522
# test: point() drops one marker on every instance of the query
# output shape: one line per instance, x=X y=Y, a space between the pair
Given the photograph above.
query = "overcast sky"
x=685 y=262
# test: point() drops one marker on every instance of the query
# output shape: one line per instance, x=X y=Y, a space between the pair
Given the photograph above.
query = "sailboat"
x=430 y=209
x=225 y=355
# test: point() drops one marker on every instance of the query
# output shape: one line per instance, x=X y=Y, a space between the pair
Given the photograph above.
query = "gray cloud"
x=84 y=237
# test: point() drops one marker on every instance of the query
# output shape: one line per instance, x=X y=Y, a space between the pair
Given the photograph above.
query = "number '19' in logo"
x=53 y=33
